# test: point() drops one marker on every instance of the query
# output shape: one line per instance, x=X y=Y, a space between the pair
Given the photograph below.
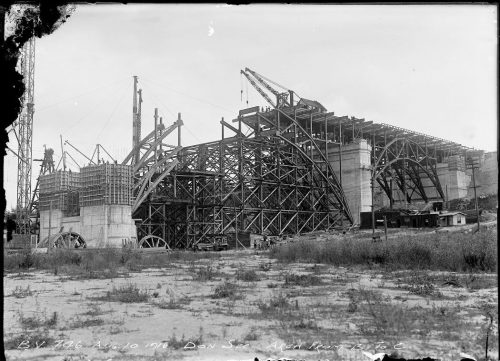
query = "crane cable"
x=247 y=91
x=112 y=113
x=163 y=87
x=241 y=88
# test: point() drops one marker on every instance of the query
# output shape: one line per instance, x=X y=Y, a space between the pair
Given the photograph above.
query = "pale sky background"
x=428 y=68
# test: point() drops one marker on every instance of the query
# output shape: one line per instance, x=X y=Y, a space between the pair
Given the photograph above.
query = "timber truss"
x=406 y=157
x=264 y=182
x=273 y=175
x=152 y=160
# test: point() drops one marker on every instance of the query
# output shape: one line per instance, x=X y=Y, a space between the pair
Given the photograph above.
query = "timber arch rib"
x=263 y=182
x=273 y=174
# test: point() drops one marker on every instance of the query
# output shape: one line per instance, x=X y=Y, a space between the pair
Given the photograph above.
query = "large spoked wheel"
x=65 y=240
x=151 y=241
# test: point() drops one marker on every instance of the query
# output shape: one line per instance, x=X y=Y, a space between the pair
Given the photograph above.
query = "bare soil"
x=214 y=309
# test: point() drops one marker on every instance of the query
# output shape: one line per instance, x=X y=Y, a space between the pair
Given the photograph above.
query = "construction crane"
x=46 y=167
x=282 y=98
x=23 y=130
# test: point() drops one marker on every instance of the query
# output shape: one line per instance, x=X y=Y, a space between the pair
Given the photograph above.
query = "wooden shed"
x=452 y=219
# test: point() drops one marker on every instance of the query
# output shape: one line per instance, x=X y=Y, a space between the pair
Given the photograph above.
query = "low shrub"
x=90 y=322
x=127 y=294
x=39 y=339
x=247 y=275
x=456 y=252
x=20 y=292
x=173 y=303
x=292 y=279
x=252 y=335
x=184 y=343
x=105 y=259
x=275 y=304
x=421 y=284
x=225 y=290
x=38 y=321
x=206 y=273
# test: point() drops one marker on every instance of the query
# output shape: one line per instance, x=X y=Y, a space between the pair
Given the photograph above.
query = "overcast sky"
x=429 y=68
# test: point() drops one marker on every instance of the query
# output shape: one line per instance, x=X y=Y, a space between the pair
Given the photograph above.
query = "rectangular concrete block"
x=356 y=174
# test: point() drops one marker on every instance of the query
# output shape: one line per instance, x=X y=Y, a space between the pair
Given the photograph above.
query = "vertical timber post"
x=49 y=241
x=240 y=169
x=385 y=228
x=372 y=181
x=340 y=153
x=179 y=124
x=340 y=173
x=405 y=145
x=156 y=133
x=161 y=124
x=105 y=237
x=391 y=199
x=447 y=200
x=135 y=141
x=475 y=195
x=327 y=175
x=222 y=128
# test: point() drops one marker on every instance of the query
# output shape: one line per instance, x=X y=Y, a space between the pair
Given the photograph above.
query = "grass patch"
x=379 y=317
x=292 y=279
x=265 y=266
x=86 y=273
x=289 y=315
x=102 y=263
x=317 y=269
x=421 y=284
x=435 y=251
x=173 y=303
x=184 y=343
x=206 y=273
x=126 y=294
x=247 y=275
x=99 y=263
x=84 y=323
x=38 y=338
x=274 y=305
x=20 y=292
x=38 y=321
x=252 y=335
x=226 y=290
x=94 y=310
x=472 y=281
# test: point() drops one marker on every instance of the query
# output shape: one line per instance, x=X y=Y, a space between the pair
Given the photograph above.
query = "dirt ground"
x=244 y=305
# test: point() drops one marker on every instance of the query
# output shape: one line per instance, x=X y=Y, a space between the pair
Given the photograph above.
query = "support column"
x=356 y=174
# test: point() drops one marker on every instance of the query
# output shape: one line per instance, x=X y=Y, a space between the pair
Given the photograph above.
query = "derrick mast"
x=136 y=121
x=24 y=129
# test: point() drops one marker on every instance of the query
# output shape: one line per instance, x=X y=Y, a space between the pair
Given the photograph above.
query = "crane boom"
x=264 y=83
x=281 y=98
x=271 y=81
x=258 y=88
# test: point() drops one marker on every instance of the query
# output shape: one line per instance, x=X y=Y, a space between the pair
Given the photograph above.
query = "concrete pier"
x=355 y=174
x=100 y=226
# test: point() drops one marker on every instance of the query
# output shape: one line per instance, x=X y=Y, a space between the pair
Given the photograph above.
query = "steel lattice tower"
x=24 y=132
